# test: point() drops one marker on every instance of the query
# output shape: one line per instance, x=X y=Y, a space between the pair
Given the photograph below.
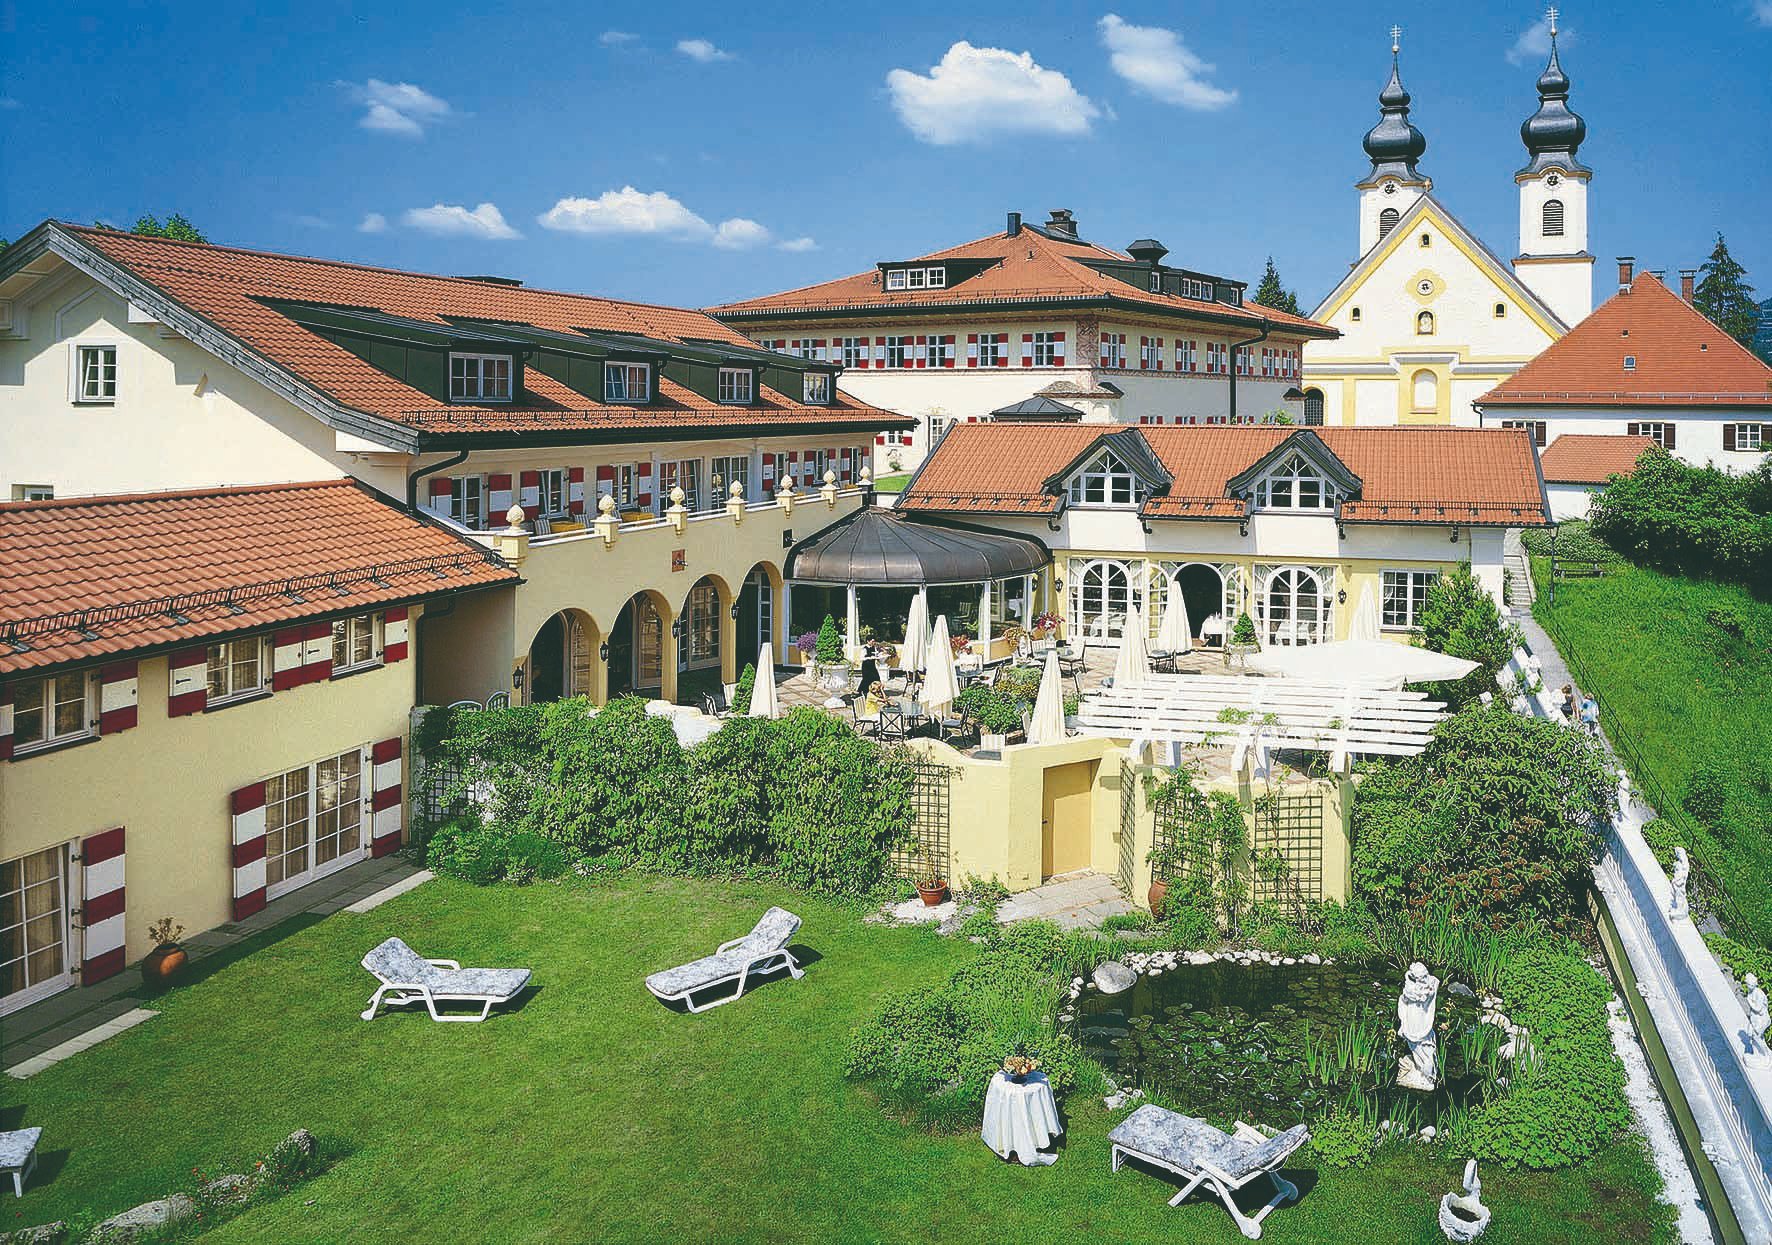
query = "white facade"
x=1382 y=204
x=1571 y=501
x=1554 y=262
x=1697 y=432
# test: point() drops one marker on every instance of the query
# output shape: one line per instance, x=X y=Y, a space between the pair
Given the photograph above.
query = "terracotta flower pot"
x=1158 y=893
x=932 y=893
x=163 y=964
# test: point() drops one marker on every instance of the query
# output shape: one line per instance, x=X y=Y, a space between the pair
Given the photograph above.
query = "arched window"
x=1295 y=608
x=1501 y=311
x=1424 y=390
x=1313 y=407
x=1553 y=218
x=1424 y=324
x=1101 y=597
x=1106 y=481
x=1294 y=485
x=1354 y=315
x=1387 y=221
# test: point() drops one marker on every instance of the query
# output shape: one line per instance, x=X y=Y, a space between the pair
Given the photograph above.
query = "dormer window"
x=917 y=278
x=1156 y=283
x=1294 y=485
x=1630 y=362
x=627 y=383
x=737 y=385
x=938 y=278
x=816 y=388
x=895 y=279
x=1106 y=481
x=479 y=377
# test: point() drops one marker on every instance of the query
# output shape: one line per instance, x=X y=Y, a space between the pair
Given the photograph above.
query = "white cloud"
x=701 y=50
x=626 y=211
x=373 y=222
x=615 y=38
x=454 y=220
x=1763 y=12
x=739 y=234
x=977 y=93
x=1534 y=43
x=797 y=244
x=397 y=107
x=1155 y=61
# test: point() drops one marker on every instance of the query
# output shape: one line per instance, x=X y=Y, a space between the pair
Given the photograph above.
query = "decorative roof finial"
x=1393 y=145
x=1555 y=131
x=1396 y=39
x=1550 y=16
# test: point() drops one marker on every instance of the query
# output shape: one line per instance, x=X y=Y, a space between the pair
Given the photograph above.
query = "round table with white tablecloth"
x=1021 y=1118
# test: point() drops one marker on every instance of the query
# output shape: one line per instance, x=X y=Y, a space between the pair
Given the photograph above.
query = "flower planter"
x=932 y=893
x=1158 y=893
x=163 y=964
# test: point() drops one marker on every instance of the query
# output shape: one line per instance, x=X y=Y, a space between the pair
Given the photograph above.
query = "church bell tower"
x=1554 y=261
x=1393 y=146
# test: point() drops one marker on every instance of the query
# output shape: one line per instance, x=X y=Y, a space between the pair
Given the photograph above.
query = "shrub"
x=1739 y=958
x=741 y=694
x=467 y=849
x=1460 y=618
x=1187 y=924
x=1663 y=836
x=995 y=711
x=1698 y=521
x=1707 y=792
x=838 y=804
x=1727 y=617
x=531 y=858
x=1573 y=540
x=829 y=648
x=1343 y=1139
x=1243 y=632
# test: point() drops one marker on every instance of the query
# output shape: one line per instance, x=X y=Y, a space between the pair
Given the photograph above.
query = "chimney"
x=1687 y=276
x=1626 y=263
x=1014 y=225
x=1061 y=224
x=1660 y=274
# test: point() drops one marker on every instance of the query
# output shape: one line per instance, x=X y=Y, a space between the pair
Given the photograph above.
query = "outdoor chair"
x=715 y=704
x=407 y=978
x=764 y=950
x=1201 y=1154
x=889 y=726
x=865 y=723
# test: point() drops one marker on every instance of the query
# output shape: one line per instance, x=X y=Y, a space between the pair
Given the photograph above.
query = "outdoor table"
x=1163 y=661
x=1021 y=1118
x=912 y=714
x=1213 y=629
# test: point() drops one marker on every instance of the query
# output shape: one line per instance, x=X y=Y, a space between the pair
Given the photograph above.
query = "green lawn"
x=893 y=483
x=1686 y=693
x=593 y=1113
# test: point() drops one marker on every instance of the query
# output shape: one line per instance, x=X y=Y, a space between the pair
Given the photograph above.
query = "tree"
x=1725 y=297
x=1460 y=618
x=175 y=227
x=1271 y=293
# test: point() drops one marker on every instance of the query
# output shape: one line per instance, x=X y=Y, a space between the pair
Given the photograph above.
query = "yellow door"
x=1064 y=818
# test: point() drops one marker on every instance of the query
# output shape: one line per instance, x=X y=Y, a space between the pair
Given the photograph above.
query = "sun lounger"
x=763 y=950
x=407 y=978
x=1200 y=1153
x=18 y=1156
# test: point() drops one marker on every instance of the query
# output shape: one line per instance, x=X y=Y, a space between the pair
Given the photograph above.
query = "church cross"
x=1396 y=39
x=1550 y=15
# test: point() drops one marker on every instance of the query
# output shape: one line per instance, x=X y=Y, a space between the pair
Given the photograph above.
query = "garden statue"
x=1753 y=998
x=1463 y=1218
x=1676 y=904
x=1417 y=1008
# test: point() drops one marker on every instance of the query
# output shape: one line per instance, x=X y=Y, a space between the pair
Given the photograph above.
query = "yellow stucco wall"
x=168 y=782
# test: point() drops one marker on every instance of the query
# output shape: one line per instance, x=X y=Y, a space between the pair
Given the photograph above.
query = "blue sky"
x=690 y=154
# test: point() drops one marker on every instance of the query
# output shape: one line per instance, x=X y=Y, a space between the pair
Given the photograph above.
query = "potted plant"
x=1163 y=860
x=164 y=962
x=807 y=646
x=1242 y=640
x=932 y=887
x=1045 y=625
x=1021 y=1063
x=960 y=643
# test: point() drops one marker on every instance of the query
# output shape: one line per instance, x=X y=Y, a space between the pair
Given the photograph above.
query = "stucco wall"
x=1698 y=432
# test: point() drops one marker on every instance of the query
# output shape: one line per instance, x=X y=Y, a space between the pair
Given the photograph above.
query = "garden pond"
x=1281 y=1043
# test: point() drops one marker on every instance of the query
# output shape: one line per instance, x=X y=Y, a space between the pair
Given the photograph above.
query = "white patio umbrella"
x=1047 y=724
x=1133 y=666
x=1174 y=634
x=1365 y=622
x=763 y=699
x=913 y=654
x=940 y=685
x=1361 y=663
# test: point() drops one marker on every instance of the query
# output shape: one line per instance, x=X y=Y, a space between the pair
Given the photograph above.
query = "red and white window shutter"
x=498 y=497
x=1027 y=350
x=287 y=649
x=5 y=723
x=575 y=490
x=395 y=634
x=643 y=490
x=971 y=355
x=385 y=801
x=248 y=857
x=1058 y=350
x=530 y=495
x=116 y=697
x=438 y=502
x=316 y=652
x=101 y=906
x=188 y=690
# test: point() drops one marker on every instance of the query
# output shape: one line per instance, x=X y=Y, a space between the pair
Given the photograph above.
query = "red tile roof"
x=1438 y=475
x=1589 y=458
x=1682 y=360
x=224 y=285
x=1030 y=267
x=85 y=578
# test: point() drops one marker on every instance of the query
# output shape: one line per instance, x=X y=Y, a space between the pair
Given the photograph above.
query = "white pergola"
x=1247 y=713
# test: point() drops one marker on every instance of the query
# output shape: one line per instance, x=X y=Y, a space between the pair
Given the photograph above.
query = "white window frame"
x=738 y=386
x=1105 y=482
x=77 y=392
x=1750 y=437
x=51 y=737
x=1046 y=348
x=1408 y=590
x=672 y=473
x=477 y=390
x=223 y=656
x=856 y=351
x=916 y=278
x=722 y=471
x=349 y=629
x=552 y=492
x=815 y=388
x=938 y=278
x=32 y=991
x=1655 y=430
x=33 y=492
x=1284 y=487
x=311 y=822
x=897 y=278
x=1113 y=349
x=905 y=346
x=627 y=372
x=990 y=350
x=1156 y=283
x=1537 y=427
x=468 y=501
x=1150 y=354
x=1630 y=362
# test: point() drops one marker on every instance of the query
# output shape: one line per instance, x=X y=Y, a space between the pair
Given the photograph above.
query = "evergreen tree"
x=1271 y=293
x=1725 y=297
x=175 y=227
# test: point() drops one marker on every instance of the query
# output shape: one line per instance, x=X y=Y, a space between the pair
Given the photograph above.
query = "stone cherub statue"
x=1463 y=1218
x=1676 y=903
x=1418 y=1007
x=1753 y=1001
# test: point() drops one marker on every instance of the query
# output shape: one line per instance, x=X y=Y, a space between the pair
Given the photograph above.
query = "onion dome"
x=1553 y=133
x=1393 y=144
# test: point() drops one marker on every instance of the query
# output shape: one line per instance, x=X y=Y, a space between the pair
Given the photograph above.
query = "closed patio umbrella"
x=1365 y=622
x=913 y=654
x=1047 y=724
x=940 y=685
x=1133 y=666
x=1361 y=663
x=763 y=700
x=1175 y=635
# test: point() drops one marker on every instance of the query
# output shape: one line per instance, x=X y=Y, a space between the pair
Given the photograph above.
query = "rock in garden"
x=1114 y=977
x=301 y=1142
x=1429 y=1133
x=42 y=1234
x=1462 y=990
x=233 y=1187
x=147 y=1217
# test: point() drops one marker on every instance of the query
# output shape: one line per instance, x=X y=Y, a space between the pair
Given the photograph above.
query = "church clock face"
x=1390 y=188
x=1554 y=179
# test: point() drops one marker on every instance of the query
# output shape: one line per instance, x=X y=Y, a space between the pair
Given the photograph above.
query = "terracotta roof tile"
x=1029 y=267
x=1589 y=458
x=1682 y=360
x=119 y=558
x=1442 y=475
x=224 y=285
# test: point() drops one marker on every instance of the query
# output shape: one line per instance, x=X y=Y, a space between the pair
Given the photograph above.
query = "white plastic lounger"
x=1199 y=1153
x=763 y=950
x=407 y=978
